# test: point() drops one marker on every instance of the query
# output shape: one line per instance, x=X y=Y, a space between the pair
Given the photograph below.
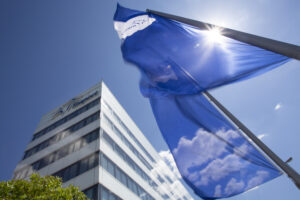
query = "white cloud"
x=169 y=160
x=258 y=179
x=244 y=149
x=261 y=136
x=201 y=148
x=233 y=186
x=212 y=162
x=218 y=191
x=278 y=106
x=218 y=169
x=167 y=167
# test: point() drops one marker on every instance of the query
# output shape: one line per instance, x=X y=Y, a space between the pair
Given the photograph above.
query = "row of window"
x=104 y=193
x=115 y=171
x=169 y=179
x=79 y=167
x=92 y=192
x=131 y=163
x=61 y=135
x=128 y=131
x=56 y=155
x=131 y=146
x=126 y=142
x=127 y=159
x=65 y=119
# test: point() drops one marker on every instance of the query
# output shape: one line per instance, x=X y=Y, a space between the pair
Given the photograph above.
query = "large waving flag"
x=178 y=62
x=176 y=58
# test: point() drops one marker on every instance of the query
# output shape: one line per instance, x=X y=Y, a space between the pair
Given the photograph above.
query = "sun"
x=214 y=35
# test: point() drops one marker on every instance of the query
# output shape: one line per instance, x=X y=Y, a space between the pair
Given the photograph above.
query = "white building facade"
x=92 y=143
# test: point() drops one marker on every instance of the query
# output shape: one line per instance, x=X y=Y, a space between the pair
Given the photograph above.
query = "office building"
x=92 y=143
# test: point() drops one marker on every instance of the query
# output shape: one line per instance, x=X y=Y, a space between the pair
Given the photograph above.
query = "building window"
x=107 y=195
x=61 y=135
x=65 y=119
x=127 y=130
x=75 y=169
x=92 y=192
x=127 y=159
x=126 y=142
x=64 y=151
x=111 y=167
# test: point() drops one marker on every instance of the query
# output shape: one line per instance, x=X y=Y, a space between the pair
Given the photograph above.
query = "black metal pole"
x=285 y=49
x=289 y=50
x=283 y=165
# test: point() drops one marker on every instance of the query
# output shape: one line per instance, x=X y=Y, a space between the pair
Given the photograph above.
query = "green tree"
x=39 y=188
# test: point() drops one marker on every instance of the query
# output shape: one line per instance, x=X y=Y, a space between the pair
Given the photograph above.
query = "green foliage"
x=39 y=188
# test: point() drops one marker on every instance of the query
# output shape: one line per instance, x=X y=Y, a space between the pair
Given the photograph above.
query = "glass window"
x=93 y=161
x=104 y=194
x=26 y=155
x=62 y=135
x=84 y=142
x=53 y=139
x=89 y=120
x=126 y=158
x=31 y=151
x=43 y=163
x=103 y=161
x=120 y=152
x=112 y=196
x=123 y=178
x=73 y=170
x=118 y=174
x=129 y=183
x=63 y=152
x=91 y=193
x=65 y=119
x=88 y=138
x=110 y=167
x=108 y=139
x=51 y=158
x=160 y=179
x=134 y=188
x=77 y=145
x=95 y=135
x=42 y=146
x=36 y=165
x=169 y=179
x=71 y=148
x=140 y=191
x=84 y=164
x=65 y=174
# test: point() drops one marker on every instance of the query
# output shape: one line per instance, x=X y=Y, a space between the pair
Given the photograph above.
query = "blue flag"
x=213 y=156
x=178 y=62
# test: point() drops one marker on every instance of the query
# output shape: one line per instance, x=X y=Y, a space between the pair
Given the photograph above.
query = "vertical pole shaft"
x=284 y=166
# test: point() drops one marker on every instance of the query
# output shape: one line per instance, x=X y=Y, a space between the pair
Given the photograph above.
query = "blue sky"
x=50 y=51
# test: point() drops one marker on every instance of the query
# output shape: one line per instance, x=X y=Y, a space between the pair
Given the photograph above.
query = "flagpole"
x=289 y=50
x=283 y=165
x=286 y=49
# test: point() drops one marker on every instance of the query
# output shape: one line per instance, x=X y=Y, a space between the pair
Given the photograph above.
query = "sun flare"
x=214 y=35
